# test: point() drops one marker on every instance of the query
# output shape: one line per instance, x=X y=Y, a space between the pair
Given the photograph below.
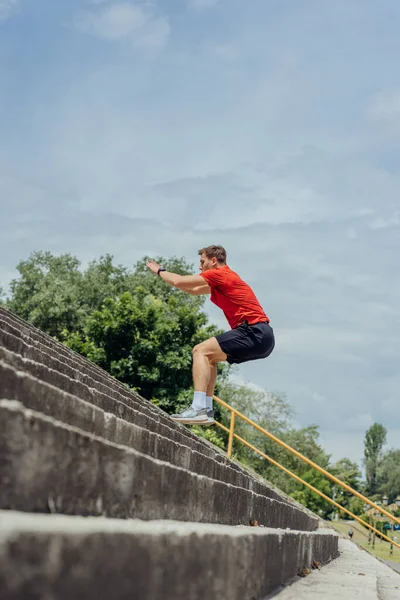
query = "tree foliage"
x=46 y=293
x=144 y=342
x=309 y=498
x=388 y=475
x=54 y=293
x=374 y=441
x=348 y=472
x=273 y=412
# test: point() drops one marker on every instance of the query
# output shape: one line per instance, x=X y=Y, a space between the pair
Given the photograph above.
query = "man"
x=250 y=337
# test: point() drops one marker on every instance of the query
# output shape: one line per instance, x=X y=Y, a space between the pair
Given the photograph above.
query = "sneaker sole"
x=191 y=421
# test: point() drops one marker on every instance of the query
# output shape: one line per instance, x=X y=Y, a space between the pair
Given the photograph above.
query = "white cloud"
x=382 y=222
x=339 y=344
x=113 y=22
x=7 y=7
x=203 y=4
x=125 y=21
x=237 y=379
x=359 y=422
x=385 y=106
x=155 y=35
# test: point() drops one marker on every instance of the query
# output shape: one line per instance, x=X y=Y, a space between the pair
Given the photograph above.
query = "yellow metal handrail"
x=311 y=487
x=348 y=488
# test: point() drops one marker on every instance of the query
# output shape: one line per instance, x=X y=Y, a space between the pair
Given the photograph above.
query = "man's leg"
x=213 y=379
x=200 y=370
x=211 y=385
x=205 y=357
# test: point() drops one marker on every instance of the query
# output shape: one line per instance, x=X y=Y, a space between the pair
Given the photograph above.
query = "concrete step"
x=39 y=338
x=355 y=575
x=53 y=556
x=47 y=465
x=42 y=397
x=71 y=373
x=72 y=364
x=54 y=368
x=161 y=428
x=40 y=348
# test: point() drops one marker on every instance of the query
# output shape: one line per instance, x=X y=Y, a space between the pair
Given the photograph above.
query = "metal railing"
x=232 y=435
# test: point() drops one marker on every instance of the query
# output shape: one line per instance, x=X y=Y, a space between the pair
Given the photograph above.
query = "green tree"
x=306 y=441
x=309 y=498
x=388 y=475
x=348 y=472
x=55 y=294
x=269 y=410
x=102 y=279
x=146 y=343
x=45 y=294
x=374 y=441
x=356 y=506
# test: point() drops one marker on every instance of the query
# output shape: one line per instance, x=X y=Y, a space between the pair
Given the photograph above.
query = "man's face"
x=207 y=263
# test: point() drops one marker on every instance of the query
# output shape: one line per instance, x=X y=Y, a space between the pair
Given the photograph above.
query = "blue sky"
x=271 y=127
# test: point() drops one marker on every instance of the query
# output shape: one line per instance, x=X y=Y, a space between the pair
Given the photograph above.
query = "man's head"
x=212 y=257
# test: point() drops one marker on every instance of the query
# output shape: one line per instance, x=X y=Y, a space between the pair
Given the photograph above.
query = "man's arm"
x=193 y=284
x=201 y=289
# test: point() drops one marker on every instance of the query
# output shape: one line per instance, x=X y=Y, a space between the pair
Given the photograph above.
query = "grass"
x=382 y=548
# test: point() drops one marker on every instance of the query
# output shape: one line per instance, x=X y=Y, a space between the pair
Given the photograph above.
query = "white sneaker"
x=191 y=416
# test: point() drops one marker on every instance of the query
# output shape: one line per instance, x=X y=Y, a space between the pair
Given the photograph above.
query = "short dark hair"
x=217 y=252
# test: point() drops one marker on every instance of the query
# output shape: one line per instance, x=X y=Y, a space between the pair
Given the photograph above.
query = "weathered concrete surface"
x=96 y=414
x=355 y=575
x=74 y=440
x=65 y=362
x=46 y=465
x=71 y=410
x=52 y=556
x=52 y=362
x=42 y=350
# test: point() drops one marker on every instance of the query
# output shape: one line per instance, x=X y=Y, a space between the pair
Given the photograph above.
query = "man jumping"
x=250 y=337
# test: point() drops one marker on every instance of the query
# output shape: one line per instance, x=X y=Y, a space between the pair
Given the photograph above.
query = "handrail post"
x=231 y=430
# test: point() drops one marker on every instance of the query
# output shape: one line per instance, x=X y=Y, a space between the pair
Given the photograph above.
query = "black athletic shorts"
x=247 y=342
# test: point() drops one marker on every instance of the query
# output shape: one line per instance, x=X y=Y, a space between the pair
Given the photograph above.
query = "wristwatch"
x=160 y=269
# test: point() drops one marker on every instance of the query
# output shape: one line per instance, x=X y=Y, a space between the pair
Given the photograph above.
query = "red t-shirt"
x=234 y=296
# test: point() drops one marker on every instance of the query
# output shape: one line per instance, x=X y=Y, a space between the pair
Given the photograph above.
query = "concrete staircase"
x=103 y=496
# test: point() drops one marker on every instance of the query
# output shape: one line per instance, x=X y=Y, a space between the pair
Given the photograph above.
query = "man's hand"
x=153 y=266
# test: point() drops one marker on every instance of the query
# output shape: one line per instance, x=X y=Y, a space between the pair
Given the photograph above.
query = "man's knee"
x=211 y=350
x=198 y=349
x=202 y=349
